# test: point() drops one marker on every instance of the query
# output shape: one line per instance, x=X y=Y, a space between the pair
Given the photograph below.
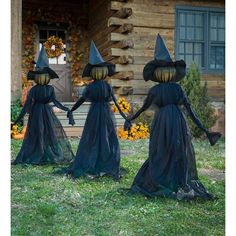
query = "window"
x=44 y=34
x=200 y=37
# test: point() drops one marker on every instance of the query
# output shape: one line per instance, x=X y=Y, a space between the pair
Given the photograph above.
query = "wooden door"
x=59 y=64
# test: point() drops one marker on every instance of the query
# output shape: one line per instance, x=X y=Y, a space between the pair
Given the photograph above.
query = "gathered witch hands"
x=71 y=118
x=127 y=125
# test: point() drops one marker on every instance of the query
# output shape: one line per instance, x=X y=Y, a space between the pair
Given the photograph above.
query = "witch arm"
x=78 y=104
x=60 y=106
x=127 y=124
x=212 y=136
x=147 y=103
x=192 y=114
x=26 y=108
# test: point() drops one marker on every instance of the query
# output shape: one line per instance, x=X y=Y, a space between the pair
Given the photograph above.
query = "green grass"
x=48 y=204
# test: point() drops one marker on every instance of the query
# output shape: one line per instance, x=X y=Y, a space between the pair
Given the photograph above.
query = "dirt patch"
x=213 y=174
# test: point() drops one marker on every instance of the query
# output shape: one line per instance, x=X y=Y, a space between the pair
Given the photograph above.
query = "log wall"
x=131 y=49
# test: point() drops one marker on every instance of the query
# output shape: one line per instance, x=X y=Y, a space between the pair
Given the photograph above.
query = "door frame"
x=54 y=26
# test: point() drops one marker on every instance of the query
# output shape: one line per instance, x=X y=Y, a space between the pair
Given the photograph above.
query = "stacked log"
x=123 y=45
x=135 y=26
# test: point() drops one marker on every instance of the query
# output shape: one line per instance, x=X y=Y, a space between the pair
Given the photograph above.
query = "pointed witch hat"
x=162 y=59
x=96 y=60
x=42 y=66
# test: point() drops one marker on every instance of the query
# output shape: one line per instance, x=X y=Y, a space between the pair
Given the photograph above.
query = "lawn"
x=47 y=204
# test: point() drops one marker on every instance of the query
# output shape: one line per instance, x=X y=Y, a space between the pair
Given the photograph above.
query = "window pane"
x=189 y=60
x=212 y=58
x=213 y=34
x=213 y=21
x=181 y=47
x=189 y=48
x=190 y=20
x=197 y=60
x=221 y=21
x=52 y=60
x=52 y=32
x=220 y=58
x=217 y=57
x=182 y=56
x=182 y=19
x=221 y=35
x=199 y=20
x=198 y=48
x=62 y=57
x=190 y=33
x=61 y=34
x=43 y=34
x=199 y=34
x=182 y=33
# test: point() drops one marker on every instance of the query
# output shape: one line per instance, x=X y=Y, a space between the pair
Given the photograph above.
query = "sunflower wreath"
x=59 y=47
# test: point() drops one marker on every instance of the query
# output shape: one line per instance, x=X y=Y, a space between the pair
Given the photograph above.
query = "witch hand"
x=71 y=118
x=127 y=125
x=213 y=137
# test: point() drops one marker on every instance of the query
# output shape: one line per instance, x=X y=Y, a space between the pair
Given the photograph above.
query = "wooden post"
x=16 y=41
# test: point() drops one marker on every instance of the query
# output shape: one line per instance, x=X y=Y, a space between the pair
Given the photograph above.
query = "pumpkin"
x=18 y=136
x=23 y=130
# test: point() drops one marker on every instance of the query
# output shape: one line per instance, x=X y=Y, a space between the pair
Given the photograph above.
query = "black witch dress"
x=170 y=169
x=45 y=141
x=98 y=151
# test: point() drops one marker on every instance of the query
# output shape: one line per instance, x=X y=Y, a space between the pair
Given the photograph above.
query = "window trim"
x=207 y=11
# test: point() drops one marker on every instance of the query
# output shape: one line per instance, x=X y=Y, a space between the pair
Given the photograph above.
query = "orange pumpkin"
x=23 y=130
x=18 y=136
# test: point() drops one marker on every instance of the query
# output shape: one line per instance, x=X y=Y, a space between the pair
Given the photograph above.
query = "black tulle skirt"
x=45 y=141
x=98 y=151
x=170 y=169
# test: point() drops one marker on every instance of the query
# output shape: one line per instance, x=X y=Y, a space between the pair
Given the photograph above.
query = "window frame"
x=207 y=11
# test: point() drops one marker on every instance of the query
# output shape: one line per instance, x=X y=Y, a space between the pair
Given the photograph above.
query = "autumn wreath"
x=59 y=47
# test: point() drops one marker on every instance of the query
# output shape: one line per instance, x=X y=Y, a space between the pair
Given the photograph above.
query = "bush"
x=199 y=99
x=15 y=111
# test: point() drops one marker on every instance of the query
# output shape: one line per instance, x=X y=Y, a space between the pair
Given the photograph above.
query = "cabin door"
x=62 y=86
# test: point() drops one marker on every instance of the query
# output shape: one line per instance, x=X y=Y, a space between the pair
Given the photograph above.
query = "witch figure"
x=98 y=151
x=45 y=141
x=170 y=169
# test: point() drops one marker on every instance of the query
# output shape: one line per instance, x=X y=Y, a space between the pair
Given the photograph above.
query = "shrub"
x=15 y=111
x=199 y=99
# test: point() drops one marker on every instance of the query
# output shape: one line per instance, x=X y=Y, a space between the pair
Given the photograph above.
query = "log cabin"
x=124 y=32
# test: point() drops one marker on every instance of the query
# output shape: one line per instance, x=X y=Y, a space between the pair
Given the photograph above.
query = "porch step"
x=80 y=116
